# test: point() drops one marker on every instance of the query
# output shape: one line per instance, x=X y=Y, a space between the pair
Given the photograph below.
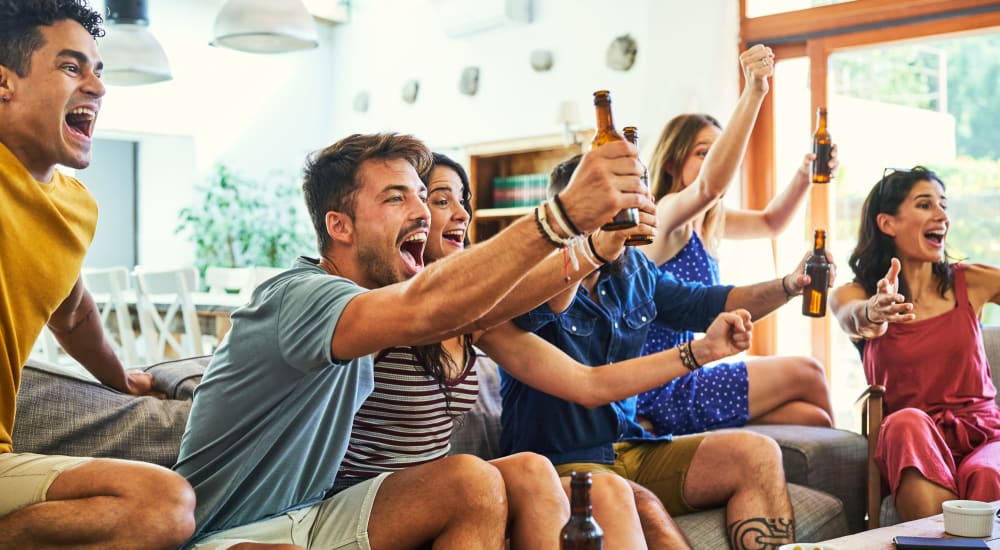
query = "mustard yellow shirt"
x=45 y=229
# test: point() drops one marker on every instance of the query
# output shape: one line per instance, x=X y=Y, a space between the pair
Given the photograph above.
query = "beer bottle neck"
x=604 y=121
x=821 y=121
x=580 y=501
x=819 y=244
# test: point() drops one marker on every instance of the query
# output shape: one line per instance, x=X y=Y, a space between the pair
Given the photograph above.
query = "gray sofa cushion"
x=818 y=516
x=60 y=414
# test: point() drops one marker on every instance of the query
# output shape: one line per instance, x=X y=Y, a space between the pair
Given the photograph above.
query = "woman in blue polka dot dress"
x=688 y=184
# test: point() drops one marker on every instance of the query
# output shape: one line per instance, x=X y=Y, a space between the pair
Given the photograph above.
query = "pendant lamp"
x=265 y=26
x=132 y=55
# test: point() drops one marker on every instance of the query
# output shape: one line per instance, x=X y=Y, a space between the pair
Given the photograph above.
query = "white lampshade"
x=265 y=26
x=132 y=56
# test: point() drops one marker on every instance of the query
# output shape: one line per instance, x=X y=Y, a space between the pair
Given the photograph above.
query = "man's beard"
x=377 y=269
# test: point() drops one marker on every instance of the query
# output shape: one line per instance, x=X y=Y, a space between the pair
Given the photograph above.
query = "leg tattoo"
x=761 y=533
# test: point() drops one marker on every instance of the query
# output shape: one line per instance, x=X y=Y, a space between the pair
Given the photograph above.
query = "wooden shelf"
x=527 y=155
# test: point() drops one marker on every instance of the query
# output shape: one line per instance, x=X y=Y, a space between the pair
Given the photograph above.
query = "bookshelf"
x=529 y=155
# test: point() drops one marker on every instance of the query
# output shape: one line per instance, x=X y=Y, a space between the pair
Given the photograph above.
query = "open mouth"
x=935 y=237
x=455 y=235
x=81 y=121
x=412 y=250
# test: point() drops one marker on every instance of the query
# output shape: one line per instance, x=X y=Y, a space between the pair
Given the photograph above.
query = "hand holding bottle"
x=606 y=182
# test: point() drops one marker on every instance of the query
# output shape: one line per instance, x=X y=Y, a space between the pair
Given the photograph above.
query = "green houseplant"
x=242 y=222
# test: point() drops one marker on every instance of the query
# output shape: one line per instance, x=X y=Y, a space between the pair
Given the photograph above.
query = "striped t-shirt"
x=405 y=421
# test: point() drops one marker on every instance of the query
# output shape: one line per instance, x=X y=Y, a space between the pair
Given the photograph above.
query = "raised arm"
x=545 y=367
x=548 y=280
x=723 y=160
x=76 y=324
x=454 y=293
x=770 y=222
x=866 y=317
x=984 y=285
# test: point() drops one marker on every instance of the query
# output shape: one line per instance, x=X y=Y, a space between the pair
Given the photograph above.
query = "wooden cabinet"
x=531 y=155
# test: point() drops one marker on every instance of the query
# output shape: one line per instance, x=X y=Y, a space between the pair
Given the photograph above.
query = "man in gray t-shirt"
x=271 y=419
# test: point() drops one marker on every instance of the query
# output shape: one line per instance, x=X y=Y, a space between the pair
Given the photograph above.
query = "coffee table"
x=881 y=538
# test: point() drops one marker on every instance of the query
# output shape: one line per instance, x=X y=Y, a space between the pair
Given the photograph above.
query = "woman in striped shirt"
x=419 y=391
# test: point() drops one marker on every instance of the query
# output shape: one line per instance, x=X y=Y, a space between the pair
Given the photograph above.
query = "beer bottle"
x=821 y=148
x=607 y=133
x=632 y=136
x=581 y=532
x=818 y=270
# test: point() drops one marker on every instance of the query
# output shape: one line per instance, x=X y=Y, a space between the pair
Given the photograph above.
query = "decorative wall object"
x=621 y=53
x=541 y=60
x=469 y=84
x=410 y=91
x=361 y=102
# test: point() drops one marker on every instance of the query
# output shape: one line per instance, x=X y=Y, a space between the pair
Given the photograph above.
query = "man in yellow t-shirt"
x=50 y=94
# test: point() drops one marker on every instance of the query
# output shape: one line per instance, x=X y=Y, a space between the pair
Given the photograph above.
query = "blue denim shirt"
x=596 y=330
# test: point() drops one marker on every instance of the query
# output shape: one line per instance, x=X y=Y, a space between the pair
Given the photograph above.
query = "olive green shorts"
x=660 y=466
x=25 y=478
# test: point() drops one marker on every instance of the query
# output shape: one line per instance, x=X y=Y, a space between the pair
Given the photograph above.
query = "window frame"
x=817 y=33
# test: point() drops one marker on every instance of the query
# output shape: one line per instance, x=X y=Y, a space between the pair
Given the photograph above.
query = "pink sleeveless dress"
x=941 y=415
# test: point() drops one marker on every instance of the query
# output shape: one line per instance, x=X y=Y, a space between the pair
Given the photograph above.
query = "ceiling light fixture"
x=132 y=55
x=265 y=26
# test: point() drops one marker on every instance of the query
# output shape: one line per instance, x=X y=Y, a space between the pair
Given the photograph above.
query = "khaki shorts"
x=660 y=466
x=338 y=523
x=25 y=478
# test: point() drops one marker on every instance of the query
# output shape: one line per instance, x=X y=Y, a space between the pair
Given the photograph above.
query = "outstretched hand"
x=730 y=333
x=887 y=305
x=606 y=182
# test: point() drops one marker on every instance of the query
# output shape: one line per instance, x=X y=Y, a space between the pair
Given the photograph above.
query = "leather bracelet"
x=867 y=318
x=687 y=357
x=788 y=295
x=693 y=359
x=593 y=250
x=565 y=215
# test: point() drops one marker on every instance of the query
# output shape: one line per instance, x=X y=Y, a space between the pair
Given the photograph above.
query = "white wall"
x=262 y=114
x=687 y=60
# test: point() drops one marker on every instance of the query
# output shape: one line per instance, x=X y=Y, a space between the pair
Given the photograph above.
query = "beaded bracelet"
x=544 y=228
x=687 y=357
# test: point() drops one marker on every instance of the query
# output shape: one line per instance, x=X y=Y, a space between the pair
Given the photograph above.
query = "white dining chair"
x=230 y=280
x=109 y=287
x=164 y=301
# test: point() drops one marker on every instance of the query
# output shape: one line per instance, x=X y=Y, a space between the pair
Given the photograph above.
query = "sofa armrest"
x=827 y=459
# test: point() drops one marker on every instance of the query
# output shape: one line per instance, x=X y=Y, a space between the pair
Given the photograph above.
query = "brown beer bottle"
x=632 y=136
x=822 y=144
x=581 y=532
x=818 y=270
x=607 y=133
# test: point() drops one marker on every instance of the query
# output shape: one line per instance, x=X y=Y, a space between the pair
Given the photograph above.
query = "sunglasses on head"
x=919 y=171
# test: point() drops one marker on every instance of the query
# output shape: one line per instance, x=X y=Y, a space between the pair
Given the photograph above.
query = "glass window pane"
x=927 y=102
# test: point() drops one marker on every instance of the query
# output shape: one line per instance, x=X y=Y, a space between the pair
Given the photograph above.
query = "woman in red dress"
x=917 y=317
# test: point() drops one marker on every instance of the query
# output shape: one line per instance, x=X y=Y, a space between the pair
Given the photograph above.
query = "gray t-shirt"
x=272 y=417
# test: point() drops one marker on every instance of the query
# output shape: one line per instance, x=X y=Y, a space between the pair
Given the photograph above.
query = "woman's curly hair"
x=19 y=34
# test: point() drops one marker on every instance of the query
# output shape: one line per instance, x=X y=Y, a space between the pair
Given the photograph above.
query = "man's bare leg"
x=108 y=505
x=743 y=471
x=537 y=507
x=458 y=502
x=657 y=525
